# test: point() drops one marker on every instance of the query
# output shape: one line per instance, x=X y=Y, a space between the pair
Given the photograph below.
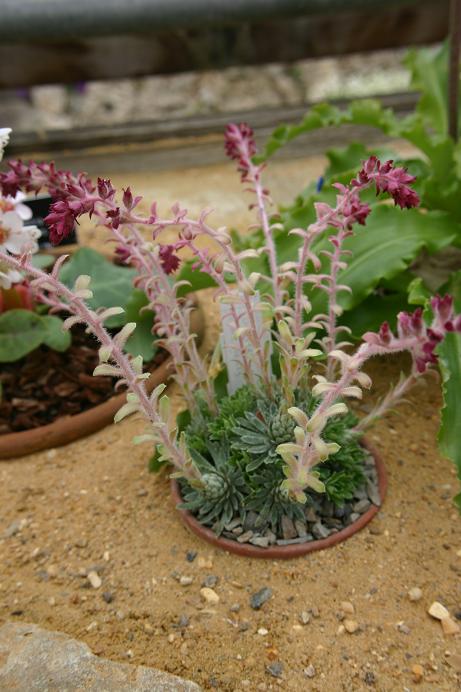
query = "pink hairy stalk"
x=128 y=370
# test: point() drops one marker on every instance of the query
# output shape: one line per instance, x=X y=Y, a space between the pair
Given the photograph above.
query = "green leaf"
x=111 y=284
x=56 y=337
x=196 y=279
x=155 y=463
x=142 y=341
x=22 y=331
x=429 y=75
x=373 y=311
x=363 y=112
x=42 y=261
x=418 y=292
x=391 y=240
x=449 y=352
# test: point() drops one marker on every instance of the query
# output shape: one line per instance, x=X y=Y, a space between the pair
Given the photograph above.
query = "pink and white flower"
x=14 y=236
x=4 y=139
x=8 y=276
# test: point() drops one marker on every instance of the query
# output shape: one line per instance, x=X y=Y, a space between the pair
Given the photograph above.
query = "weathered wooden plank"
x=177 y=133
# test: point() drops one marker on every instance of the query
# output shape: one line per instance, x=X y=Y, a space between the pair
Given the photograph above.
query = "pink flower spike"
x=240 y=146
x=387 y=178
x=60 y=221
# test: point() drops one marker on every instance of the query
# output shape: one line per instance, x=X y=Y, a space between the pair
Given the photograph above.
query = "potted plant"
x=268 y=458
x=48 y=395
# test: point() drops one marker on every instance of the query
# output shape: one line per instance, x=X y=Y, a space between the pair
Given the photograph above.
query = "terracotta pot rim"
x=285 y=552
x=67 y=429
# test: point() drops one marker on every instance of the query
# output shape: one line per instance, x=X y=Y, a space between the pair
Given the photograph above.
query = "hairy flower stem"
x=254 y=174
x=393 y=397
x=176 y=321
x=253 y=334
x=78 y=307
x=334 y=309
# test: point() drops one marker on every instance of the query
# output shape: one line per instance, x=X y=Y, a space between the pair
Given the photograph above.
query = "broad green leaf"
x=22 y=331
x=111 y=284
x=142 y=341
x=449 y=434
x=449 y=353
x=391 y=240
x=55 y=336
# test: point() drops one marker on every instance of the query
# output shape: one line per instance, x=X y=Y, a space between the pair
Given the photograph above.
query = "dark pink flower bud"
x=170 y=262
x=105 y=189
x=114 y=216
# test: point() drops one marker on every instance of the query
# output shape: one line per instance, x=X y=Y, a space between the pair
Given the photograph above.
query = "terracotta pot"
x=283 y=552
x=69 y=428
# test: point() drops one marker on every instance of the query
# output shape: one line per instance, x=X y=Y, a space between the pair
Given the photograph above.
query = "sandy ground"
x=92 y=506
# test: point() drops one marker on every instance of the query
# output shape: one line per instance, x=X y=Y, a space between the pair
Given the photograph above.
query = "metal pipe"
x=66 y=19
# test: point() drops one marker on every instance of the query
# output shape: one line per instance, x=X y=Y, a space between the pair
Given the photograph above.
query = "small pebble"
x=369 y=678
x=209 y=595
x=108 y=596
x=418 y=672
x=263 y=632
x=210 y=581
x=320 y=531
x=260 y=541
x=361 y=506
x=191 y=555
x=309 y=672
x=347 y=607
x=186 y=581
x=245 y=537
x=275 y=669
x=304 y=617
x=288 y=528
x=94 y=579
x=403 y=628
x=260 y=597
x=204 y=563
x=449 y=626
x=438 y=611
x=351 y=626
x=415 y=594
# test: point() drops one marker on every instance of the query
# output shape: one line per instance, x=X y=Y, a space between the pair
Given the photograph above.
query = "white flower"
x=9 y=276
x=16 y=204
x=14 y=236
x=4 y=139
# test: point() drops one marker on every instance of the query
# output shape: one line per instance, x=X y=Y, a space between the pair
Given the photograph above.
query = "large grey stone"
x=36 y=660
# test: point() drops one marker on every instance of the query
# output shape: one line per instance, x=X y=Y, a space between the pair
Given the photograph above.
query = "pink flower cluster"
x=239 y=145
x=76 y=196
x=414 y=335
x=390 y=179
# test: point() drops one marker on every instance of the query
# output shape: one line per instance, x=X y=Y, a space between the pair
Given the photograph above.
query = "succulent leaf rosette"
x=267 y=428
